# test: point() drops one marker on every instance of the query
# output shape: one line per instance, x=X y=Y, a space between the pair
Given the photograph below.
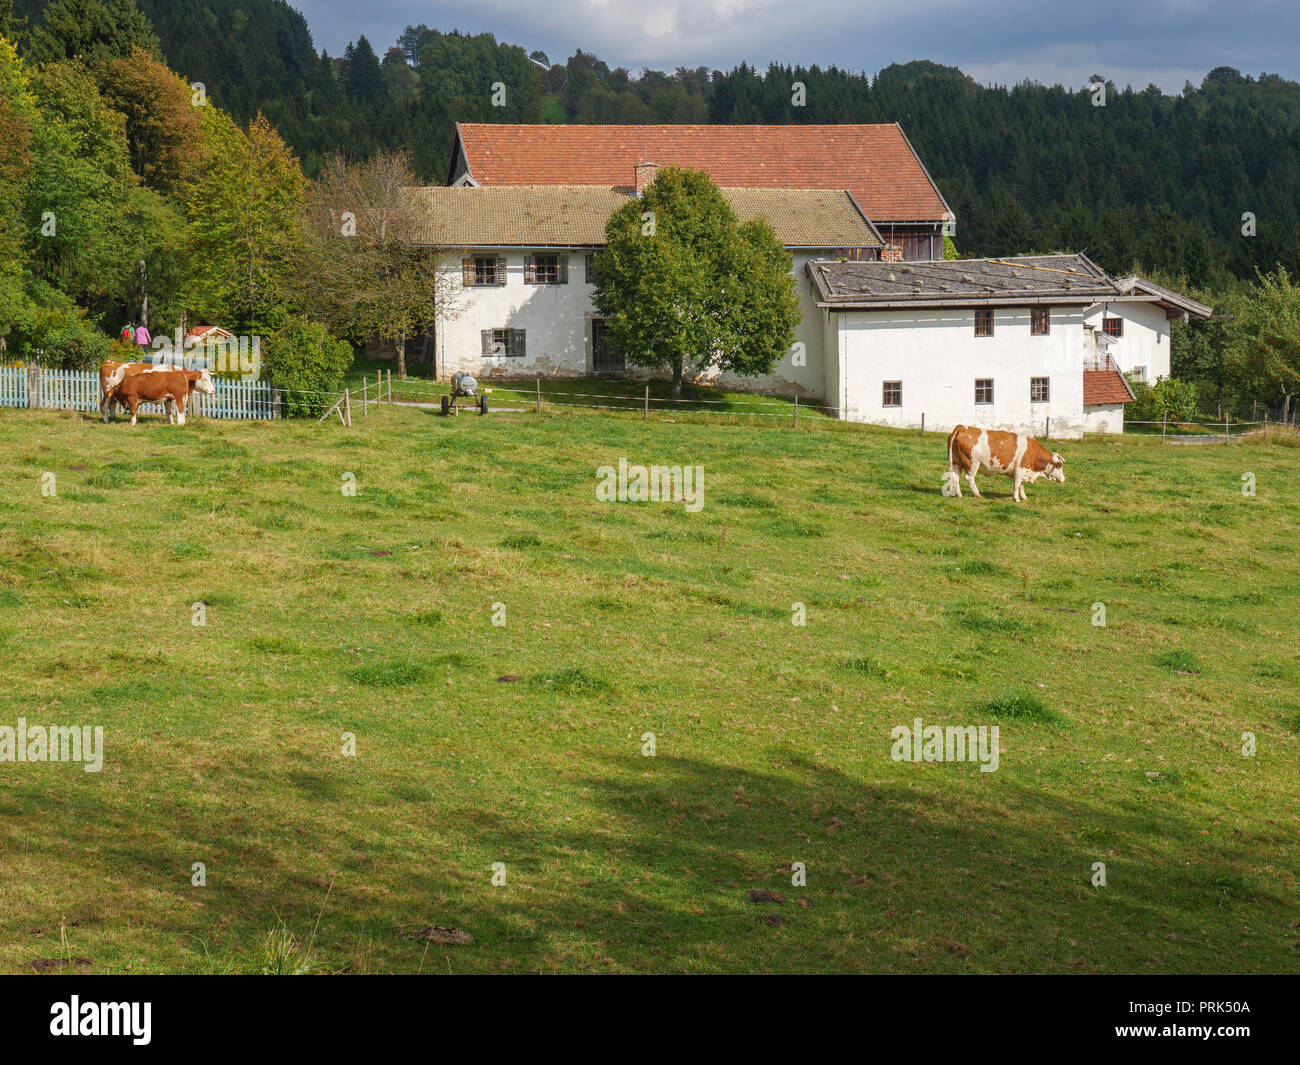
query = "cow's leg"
x=134 y=403
x=1018 y=492
x=104 y=401
x=180 y=408
x=970 y=480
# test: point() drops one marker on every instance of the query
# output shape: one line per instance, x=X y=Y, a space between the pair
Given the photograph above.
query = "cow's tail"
x=952 y=484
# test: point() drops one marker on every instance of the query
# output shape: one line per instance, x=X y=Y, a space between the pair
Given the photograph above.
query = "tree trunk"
x=677 y=379
x=1286 y=407
x=144 y=295
x=401 y=356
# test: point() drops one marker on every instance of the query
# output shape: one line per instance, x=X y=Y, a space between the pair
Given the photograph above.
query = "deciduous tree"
x=367 y=275
x=244 y=197
x=682 y=286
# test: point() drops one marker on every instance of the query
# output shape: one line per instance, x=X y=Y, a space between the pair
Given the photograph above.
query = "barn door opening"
x=604 y=359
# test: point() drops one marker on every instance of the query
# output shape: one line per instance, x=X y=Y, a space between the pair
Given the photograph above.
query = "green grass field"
x=373 y=615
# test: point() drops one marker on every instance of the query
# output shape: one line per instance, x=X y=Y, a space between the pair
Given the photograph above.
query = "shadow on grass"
x=645 y=864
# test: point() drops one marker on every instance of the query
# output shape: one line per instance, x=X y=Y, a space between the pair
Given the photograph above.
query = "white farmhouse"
x=890 y=333
x=1028 y=343
x=522 y=259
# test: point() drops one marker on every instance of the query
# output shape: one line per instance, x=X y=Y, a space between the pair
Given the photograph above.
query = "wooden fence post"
x=539 y=395
x=1225 y=429
x=923 y=423
x=275 y=404
x=365 y=399
x=1047 y=428
x=347 y=407
x=34 y=386
x=1164 y=423
x=646 y=415
x=390 y=385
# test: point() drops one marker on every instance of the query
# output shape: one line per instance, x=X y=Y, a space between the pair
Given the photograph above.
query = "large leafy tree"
x=244 y=198
x=162 y=122
x=683 y=287
x=17 y=115
x=363 y=275
x=79 y=183
x=1265 y=345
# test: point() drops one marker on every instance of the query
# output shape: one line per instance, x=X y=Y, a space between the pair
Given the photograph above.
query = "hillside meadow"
x=519 y=746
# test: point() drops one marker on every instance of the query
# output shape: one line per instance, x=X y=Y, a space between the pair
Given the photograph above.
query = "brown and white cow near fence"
x=112 y=375
x=169 y=387
x=1020 y=457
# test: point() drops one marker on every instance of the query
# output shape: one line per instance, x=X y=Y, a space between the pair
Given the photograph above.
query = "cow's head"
x=1056 y=471
x=201 y=381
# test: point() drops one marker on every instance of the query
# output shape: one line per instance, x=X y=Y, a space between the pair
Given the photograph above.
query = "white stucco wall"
x=937 y=357
x=554 y=317
x=1107 y=418
x=557 y=321
x=789 y=379
x=1145 y=341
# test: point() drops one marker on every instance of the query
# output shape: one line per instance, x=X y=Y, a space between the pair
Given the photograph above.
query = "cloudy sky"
x=1167 y=42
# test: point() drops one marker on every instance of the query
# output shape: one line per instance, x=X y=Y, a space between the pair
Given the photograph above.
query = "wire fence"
x=407 y=391
x=24 y=386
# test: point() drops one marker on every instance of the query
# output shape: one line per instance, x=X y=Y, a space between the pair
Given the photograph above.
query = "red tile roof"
x=875 y=163
x=1105 y=387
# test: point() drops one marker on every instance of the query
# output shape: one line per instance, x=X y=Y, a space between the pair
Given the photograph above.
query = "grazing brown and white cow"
x=1020 y=457
x=112 y=374
x=171 y=388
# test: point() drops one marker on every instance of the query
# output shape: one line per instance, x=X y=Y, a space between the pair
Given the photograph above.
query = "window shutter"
x=467 y=270
x=501 y=269
x=530 y=271
x=517 y=342
x=486 y=334
x=589 y=267
x=563 y=270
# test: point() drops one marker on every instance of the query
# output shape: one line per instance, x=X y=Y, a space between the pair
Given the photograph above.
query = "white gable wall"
x=1145 y=341
x=937 y=357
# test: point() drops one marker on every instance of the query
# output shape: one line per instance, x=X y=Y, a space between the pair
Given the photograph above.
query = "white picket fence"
x=13 y=386
x=79 y=390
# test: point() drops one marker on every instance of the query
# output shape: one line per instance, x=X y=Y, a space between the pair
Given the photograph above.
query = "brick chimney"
x=645 y=175
x=891 y=253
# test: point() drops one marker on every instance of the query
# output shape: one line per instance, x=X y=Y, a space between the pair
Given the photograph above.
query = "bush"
x=304 y=360
x=1168 y=397
x=62 y=338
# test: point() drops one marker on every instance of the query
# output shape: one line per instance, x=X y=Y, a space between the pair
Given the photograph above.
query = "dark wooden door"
x=604 y=359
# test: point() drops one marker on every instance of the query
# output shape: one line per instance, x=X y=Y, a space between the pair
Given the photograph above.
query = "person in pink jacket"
x=142 y=337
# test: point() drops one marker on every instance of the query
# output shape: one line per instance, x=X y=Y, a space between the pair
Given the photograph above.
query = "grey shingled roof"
x=1014 y=279
x=1174 y=301
x=574 y=216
